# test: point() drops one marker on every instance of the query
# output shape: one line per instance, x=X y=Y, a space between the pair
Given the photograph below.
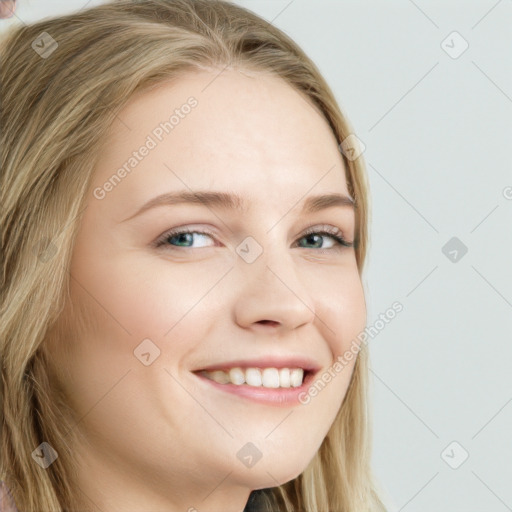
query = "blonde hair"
x=56 y=110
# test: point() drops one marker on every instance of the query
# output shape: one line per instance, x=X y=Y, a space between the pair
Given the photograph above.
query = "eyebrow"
x=236 y=203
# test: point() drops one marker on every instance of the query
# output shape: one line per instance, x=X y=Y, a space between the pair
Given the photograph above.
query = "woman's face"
x=247 y=288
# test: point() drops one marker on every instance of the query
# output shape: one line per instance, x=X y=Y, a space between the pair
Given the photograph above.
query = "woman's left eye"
x=186 y=237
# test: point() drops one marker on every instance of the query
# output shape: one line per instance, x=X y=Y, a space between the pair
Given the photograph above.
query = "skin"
x=155 y=437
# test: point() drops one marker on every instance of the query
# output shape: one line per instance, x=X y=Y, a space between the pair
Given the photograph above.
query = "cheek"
x=105 y=381
x=135 y=298
x=341 y=310
x=131 y=295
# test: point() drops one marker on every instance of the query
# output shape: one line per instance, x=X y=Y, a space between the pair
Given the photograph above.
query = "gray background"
x=437 y=132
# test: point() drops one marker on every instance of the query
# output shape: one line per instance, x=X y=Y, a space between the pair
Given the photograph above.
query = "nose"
x=274 y=295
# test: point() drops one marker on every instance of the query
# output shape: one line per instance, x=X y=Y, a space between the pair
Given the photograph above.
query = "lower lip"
x=271 y=396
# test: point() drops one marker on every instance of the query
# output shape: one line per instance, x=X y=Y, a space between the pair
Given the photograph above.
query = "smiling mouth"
x=258 y=377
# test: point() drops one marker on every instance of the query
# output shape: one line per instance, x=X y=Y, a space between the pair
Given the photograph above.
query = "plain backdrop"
x=428 y=89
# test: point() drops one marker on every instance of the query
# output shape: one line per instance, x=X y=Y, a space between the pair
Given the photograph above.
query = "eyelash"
x=329 y=231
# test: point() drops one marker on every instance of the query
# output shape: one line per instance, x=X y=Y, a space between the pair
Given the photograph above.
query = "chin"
x=272 y=474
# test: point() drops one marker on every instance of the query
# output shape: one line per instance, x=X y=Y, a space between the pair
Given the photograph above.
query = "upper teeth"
x=268 y=377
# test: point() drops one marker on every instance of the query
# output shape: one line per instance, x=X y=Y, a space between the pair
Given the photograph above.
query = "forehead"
x=248 y=132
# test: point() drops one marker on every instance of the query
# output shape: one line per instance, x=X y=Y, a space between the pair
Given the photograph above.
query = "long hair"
x=63 y=80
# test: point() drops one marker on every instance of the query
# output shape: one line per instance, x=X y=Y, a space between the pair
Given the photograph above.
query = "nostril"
x=268 y=322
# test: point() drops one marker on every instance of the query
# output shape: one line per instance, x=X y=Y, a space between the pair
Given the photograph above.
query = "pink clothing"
x=6 y=500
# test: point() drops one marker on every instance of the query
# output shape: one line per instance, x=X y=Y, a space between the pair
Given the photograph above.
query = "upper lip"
x=266 y=362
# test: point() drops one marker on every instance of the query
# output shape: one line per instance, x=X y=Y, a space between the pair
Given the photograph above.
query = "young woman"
x=184 y=227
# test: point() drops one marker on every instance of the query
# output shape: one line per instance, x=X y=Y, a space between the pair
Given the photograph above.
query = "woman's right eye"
x=179 y=237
